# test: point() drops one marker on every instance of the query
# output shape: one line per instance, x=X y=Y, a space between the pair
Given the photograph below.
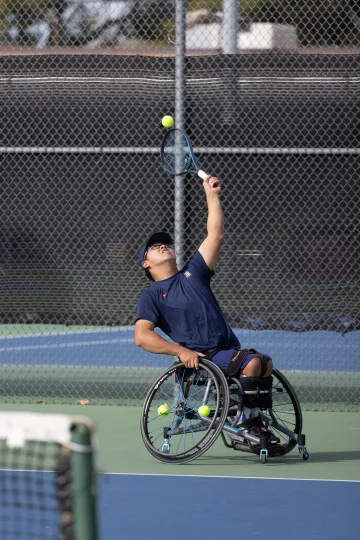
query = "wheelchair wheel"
x=172 y=427
x=284 y=419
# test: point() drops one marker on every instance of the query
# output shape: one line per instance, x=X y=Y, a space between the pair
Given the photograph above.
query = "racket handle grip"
x=202 y=174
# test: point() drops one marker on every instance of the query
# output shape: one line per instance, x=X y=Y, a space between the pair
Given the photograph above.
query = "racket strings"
x=176 y=153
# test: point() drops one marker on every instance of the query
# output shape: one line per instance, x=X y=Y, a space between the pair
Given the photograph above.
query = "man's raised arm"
x=210 y=248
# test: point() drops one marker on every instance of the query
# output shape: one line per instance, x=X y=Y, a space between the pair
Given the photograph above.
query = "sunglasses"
x=156 y=247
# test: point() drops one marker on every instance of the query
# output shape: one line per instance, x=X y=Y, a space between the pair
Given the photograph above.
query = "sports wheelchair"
x=186 y=410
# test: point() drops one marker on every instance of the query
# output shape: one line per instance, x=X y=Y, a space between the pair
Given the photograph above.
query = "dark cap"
x=156 y=238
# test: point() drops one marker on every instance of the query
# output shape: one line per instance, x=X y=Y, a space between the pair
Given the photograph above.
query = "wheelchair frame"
x=222 y=419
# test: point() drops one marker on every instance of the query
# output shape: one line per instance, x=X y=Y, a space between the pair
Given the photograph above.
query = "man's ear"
x=145 y=264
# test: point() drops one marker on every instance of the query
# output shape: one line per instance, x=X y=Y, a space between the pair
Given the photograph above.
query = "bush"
x=27 y=10
x=318 y=22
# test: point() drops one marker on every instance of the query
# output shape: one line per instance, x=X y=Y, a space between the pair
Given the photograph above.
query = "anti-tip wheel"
x=263 y=455
x=165 y=448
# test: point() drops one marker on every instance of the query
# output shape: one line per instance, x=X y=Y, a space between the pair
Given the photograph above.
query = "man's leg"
x=252 y=364
x=249 y=418
x=253 y=368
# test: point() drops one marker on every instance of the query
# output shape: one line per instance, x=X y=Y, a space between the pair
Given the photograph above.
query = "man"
x=182 y=304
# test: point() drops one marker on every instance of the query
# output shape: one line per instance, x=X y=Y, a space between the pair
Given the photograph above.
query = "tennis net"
x=47 y=477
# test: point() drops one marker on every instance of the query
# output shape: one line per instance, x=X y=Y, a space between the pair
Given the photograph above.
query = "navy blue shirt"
x=185 y=308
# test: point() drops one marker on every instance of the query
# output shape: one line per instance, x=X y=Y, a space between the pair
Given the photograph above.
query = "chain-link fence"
x=269 y=93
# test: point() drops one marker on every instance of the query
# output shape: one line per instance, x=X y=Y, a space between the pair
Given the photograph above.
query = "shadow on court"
x=291 y=459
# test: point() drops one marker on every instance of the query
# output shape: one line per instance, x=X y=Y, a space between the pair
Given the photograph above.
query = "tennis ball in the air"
x=204 y=410
x=163 y=410
x=167 y=121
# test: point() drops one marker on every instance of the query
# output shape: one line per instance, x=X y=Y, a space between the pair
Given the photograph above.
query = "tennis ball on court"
x=204 y=410
x=163 y=410
x=167 y=121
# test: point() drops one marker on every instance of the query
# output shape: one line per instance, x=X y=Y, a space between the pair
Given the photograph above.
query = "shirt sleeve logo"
x=187 y=274
x=165 y=294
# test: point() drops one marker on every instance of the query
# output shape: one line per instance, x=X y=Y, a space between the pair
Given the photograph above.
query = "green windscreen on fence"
x=82 y=184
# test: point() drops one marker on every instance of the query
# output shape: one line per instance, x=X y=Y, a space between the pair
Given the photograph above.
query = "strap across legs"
x=238 y=358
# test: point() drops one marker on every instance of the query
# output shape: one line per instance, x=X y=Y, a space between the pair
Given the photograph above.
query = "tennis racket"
x=177 y=154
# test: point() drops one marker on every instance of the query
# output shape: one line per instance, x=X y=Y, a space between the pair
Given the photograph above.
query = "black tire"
x=185 y=410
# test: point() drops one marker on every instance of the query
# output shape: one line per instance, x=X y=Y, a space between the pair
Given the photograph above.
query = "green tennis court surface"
x=333 y=440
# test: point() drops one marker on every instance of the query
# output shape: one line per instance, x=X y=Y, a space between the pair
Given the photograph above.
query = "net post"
x=84 y=484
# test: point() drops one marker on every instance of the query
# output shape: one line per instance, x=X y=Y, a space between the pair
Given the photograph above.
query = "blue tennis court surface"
x=317 y=350
x=139 y=507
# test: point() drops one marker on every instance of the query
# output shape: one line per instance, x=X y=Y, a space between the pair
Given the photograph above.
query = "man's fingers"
x=192 y=359
x=213 y=181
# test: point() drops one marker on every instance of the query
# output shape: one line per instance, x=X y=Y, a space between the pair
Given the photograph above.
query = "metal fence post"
x=180 y=56
x=230 y=26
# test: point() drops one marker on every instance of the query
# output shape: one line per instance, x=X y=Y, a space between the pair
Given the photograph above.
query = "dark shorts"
x=222 y=358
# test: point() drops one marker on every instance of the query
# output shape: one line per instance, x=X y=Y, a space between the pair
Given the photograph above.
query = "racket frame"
x=197 y=169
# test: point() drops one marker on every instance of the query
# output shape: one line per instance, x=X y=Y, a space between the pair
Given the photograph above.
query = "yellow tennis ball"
x=163 y=410
x=204 y=410
x=167 y=121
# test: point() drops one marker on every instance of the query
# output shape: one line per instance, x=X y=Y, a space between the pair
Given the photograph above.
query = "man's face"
x=156 y=254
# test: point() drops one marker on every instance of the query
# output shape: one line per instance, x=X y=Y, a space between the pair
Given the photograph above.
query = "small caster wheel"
x=264 y=455
x=165 y=448
x=304 y=454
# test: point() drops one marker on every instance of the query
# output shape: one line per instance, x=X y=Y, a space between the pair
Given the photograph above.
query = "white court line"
x=25 y=470
x=235 y=477
x=70 y=333
x=67 y=345
x=201 y=476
